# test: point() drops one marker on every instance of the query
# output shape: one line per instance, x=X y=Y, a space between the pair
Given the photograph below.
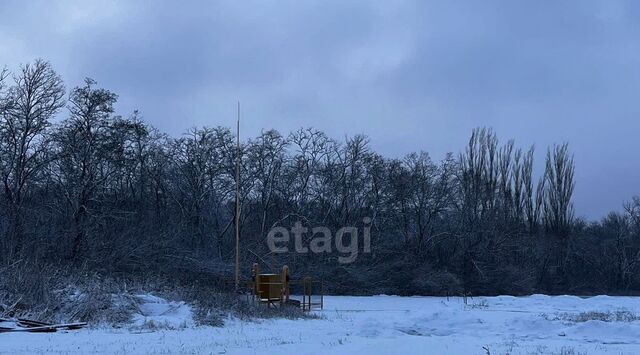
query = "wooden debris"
x=47 y=328
x=32 y=326
x=30 y=323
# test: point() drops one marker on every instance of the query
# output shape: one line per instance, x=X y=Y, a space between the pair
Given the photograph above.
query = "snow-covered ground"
x=372 y=325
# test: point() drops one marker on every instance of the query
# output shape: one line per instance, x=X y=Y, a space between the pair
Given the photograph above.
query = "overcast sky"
x=412 y=75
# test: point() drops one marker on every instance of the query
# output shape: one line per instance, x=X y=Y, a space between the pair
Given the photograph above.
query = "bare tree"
x=84 y=148
x=4 y=73
x=310 y=148
x=34 y=98
x=632 y=209
x=559 y=173
x=426 y=199
x=267 y=154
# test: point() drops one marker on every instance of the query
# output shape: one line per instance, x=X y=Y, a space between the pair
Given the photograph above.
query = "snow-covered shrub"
x=48 y=293
x=478 y=305
x=621 y=315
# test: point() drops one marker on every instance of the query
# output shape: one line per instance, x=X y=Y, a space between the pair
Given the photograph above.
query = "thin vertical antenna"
x=238 y=200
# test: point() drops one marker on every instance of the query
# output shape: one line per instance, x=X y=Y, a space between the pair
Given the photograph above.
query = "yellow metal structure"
x=275 y=289
x=270 y=288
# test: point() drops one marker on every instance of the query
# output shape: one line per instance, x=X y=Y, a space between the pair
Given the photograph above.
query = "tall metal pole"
x=238 y=201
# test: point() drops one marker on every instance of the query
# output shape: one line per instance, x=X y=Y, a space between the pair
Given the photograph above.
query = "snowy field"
x=372 y=325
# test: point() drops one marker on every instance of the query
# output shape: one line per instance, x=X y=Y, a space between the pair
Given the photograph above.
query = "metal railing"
x=307 y=285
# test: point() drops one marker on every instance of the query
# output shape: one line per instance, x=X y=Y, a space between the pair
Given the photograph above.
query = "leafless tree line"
x=114 y=194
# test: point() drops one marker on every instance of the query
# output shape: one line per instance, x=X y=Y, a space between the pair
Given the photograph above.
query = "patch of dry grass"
x=59 y=295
